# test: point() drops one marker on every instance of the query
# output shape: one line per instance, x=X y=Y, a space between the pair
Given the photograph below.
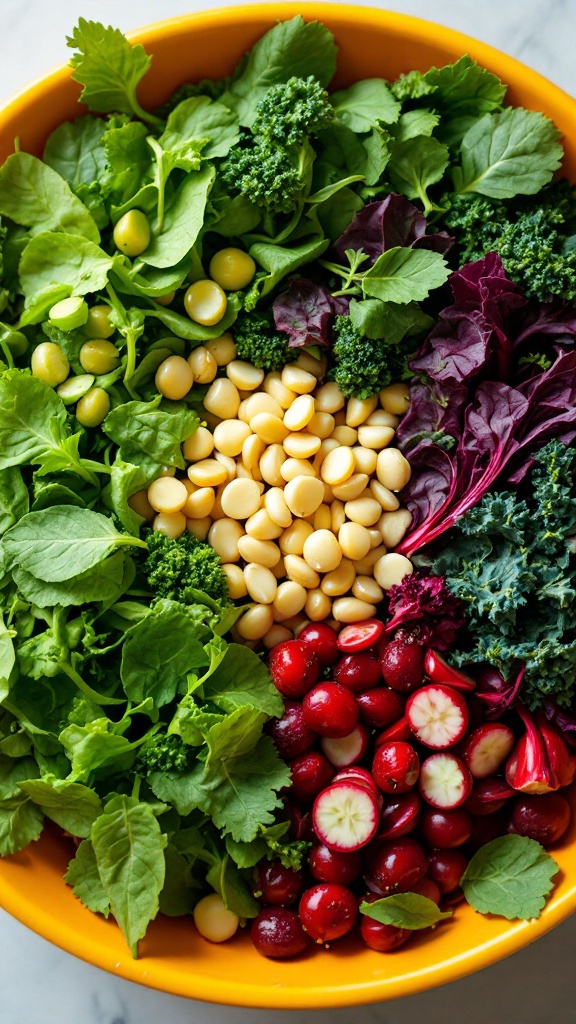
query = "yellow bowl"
x=173 y=957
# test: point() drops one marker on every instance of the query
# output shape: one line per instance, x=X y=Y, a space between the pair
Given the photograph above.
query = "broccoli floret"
x=270 y=165
x=175 y=569
x=532 y=234
x=363 y=366
x=258 y=342
x=165 y=753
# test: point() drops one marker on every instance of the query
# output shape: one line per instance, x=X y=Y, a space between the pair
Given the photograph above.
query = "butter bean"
x=392 y=469
x=200 y=503
x=268 y=427
x=365 y=511
x=337 y=516
x=245 y=376
x=322 y=551
x=301 y=445
x=366 y=589
x=322 y=424
x=256 y=622
x=229 y=465
x=262 y=527
x=340 y=580
x=395 y=398
x=290 y=598
x=329 y=398
x=260 y=583
x=276 y=507
x=298 y=380
x=223 y=349
x=262 y=552
x=350 y=609
x=277 y=635
x=383 y=419
x=354 y=541
x=199 y=445
x=318 y=605
x=322 y=518
x=384 y=496
x=235 y=580
x=270 y=464
x=393 y=526
x=346 y=436
x=303 y=495
x=207 y=473
x=292 y=540
x=338 y=466
x=391 y=570
x=296 y=467
x=351 y=488
x=298 y=570
x=172 y=524
x=261 y=402
x=203 y=365
x=229 y=436
x=274 y=387
x=166 y=494
x=364 y=460
x=253 y=448
x=199 y=528
x=359 y=409
x=224 y=536
x=375 y=437
x=222 y=398
x=299 y=414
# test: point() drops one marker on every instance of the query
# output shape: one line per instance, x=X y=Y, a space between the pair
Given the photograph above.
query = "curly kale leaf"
x=179 y=569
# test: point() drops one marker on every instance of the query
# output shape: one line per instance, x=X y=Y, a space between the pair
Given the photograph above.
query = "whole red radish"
x=311 y=772
x=359 y=672
x=395 y=866
x=396 y=767
x=399 y=816
x=323 y=640
x=327 y=911
x=277 y=884
x=330 y=710
x=446 y=829
x=328 y=865
x=290 y=733
x=544 y=818
x=380 y=707
x=402 y=662
x=294 y=668
x=277 y=933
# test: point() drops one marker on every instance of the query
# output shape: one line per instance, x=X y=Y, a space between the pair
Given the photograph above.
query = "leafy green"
x=510 y=876
x=405 y=910
x=155 y=429
x=75 y=150
x=20 y=823
x=70 y=804
x=417 y=163
x=183 y=220
x=33 y=194
x=158 y=652
x=84 y=877
x=405 y=275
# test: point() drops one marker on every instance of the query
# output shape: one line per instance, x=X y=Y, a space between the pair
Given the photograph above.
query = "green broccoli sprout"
x=178 y=569
x=165 y=753
x=258 y=342
x=271 y=164
x=363 y=366
x=534 y=235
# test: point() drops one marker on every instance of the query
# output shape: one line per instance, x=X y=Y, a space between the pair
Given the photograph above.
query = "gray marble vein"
x=40 y=984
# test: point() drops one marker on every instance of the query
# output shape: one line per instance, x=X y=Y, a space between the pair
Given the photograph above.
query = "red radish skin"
x=380 y=707
x=327 y=911
x=334 y=866
x=294 y=668
x=544 y=818
x=277 y=884
x=445 y=781
x=402 y=663
x=358 y=672
x=360 y=636
x=485 y=750
x=439 y=671
x=437 y=715
x=384 y=938
x=446 y=868
x=323 y=640
x=489 y=827
x=357 y=774
x=395 y=866
x=399 y=816
x=396 y=767
x=277 y=933
x=330 y=710
x=426 y=887
x=399 y=731
x=446 y=829
x=290 y=733
x=346 y=750
x=488 y=796
x=311 y=773
x=345 y=816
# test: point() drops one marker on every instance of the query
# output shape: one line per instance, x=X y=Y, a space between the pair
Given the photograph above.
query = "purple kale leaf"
x=387 y=223
x=305 y=311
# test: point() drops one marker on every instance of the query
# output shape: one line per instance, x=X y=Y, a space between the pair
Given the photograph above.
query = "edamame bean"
x=93 y=407
x=132 y=233
x=174 y=378
x=99 y=356
x=98 y=323
x=49 y=363
x=205 y=302
x=232 y=268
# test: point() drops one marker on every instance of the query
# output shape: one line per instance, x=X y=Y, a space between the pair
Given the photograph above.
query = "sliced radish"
x=445 y=781
x=489 y=795
x=486 y=748
x=399 y=731
x=359 y=635
x=437 y=715
x=347 y=750
x=439 y=671
x=345 y=816
x=359 y=775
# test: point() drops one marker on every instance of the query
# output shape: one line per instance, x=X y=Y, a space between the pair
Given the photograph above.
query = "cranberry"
x=277 y=933
x=488 y=795
x=360 y=635
x=323 y=640
x=330 y=710
x=396 y=767
x=426 y=887
x=359 y=672
x=402 y=663
x=327 y=911
x=277 y=884
x=399 y=816
x=395 y=866
x=544 y=818
x=380 y=707
x=399 y=731
x=487 y=828
x=300 y=824
x=311 y=773
x=290 y=733
x=294 y=668
x=446 y=868
x=383 y=937
x=446 y=829
x=333 y=865
x=354 y=773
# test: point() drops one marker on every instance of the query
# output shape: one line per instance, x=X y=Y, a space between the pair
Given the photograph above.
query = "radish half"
x=345 y=816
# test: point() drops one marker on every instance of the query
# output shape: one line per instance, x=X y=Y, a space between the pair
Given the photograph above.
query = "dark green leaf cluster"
x=175 y=569
x=258 y=341
x=511 y=562
x=362 y=365
x=165 y=752
x=534 y=236
x=270 y=165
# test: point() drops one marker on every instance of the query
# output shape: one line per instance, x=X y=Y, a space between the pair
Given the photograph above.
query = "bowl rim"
x=40 y=914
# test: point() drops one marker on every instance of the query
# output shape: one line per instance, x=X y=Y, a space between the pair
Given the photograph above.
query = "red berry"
x=277 y=933
x=380 y=707
x=489 y=827
x=544 y=818
x=359 y=672
x=311 y=773
x=333 y=865
x=402 y=663
x=277 y=884
x=327 y=911
x=488 y=795
x=446 y=868
x=290 y=733
x=395 y=866
x=323 y=640
x=400 y=730
x=294 y=668
x=330 y=710
x=399 y=816
x=426 y=887
x=360 y=635
x=446 y=829
x=396 y=767
x=381 y=937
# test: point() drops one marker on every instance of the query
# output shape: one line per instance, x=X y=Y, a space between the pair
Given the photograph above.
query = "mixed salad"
x=287 y=500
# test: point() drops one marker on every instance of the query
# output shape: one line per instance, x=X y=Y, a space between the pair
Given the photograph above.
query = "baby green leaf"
x=102 y=583
x=109 y=68
x=511 y=153
x=33 y=425
x=20 y=824
x=205 y=121
x=279 y=261
x=156 y=428
x=76 y=152
x=158 y=653
x=405 y=910
x=84 y=877
x=33 y=194
x=510 y=876
x=62 y=542
x=14 y=499
x=183 y=220
x=71 y=805
x=242 y=680
x=416 y=164
x=366 y=105
x=129 y=849
x=405 y=275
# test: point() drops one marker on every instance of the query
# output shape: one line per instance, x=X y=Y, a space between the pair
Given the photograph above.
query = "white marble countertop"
x=39 y=984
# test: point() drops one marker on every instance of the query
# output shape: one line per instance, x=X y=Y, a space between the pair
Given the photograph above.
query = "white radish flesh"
x=345 y=816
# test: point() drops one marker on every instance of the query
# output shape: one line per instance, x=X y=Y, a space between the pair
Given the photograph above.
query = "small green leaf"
x=404 y=275
x=405 y=910
x=72 y=806
x=365 y=105
x=108 y=67
x=33 y=194
x=84 y=877
x=511 y=876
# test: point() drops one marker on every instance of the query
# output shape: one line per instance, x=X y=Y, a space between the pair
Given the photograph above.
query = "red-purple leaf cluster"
x=386 y=223
x=425 y=602
x=495 y=693
x=306 y=311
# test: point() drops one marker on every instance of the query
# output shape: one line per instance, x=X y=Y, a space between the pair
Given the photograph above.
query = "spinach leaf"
x=84 y=877
x=209 y=123
x=71 y=805
x=405 y=910
x=129 y=162
x=76 y=152
x=20 y=823
x=125 y=480
x=129 y=849
x=365 y=105
x=156 y=429
x=510 y=876
x=404 y=275
x=13 y=771
x=226 y=879
x=101 y=583
x=55 y=265
x=242 y=680
x=279 y=261
x=159 y=651
x=415 y=165
x=183 y=220
x=97 y=743
x=33 y=194
x=14 y=499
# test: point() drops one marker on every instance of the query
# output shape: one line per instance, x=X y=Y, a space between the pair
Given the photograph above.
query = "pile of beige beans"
x=296 y=488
